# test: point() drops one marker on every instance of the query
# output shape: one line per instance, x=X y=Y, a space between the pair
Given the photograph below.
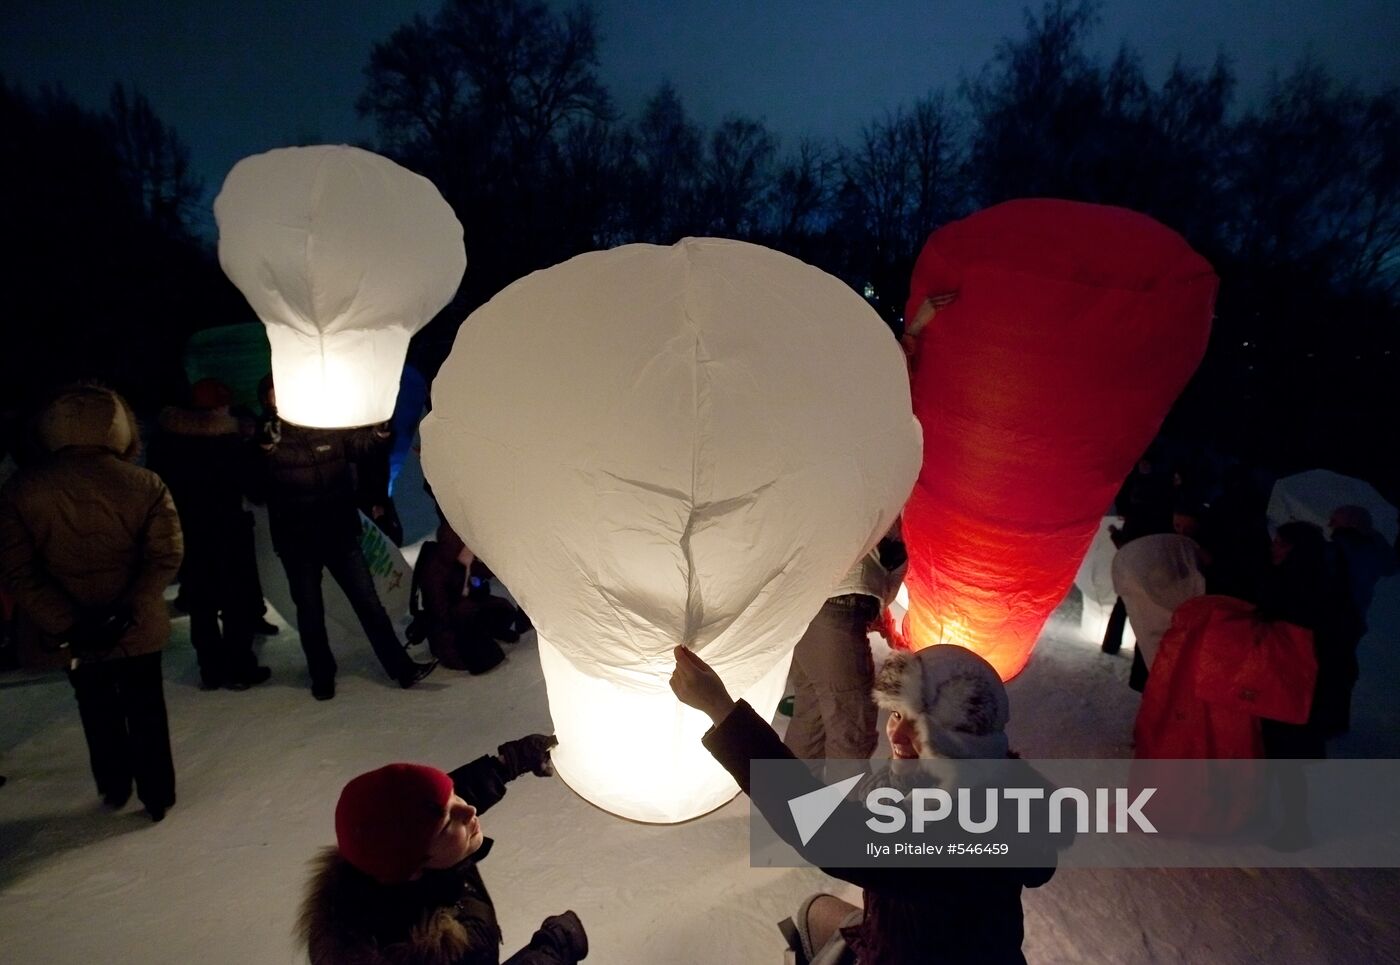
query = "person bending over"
x=403 y=885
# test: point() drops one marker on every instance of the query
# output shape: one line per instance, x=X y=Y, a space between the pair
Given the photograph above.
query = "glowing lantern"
x=343 y=255
x=654 y=446
x=1073 y=329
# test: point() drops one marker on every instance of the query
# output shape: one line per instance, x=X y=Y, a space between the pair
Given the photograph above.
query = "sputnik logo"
x=811 y=810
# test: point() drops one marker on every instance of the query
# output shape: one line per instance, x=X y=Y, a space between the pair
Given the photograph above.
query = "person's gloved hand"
x=527 y=754
x=100 y=629
x=566 y=933
x=270 y=434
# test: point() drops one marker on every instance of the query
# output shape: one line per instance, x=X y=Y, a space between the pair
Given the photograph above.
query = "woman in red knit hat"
x=402 y=885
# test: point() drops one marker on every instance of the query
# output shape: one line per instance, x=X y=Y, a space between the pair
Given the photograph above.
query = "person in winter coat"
x=315 y=526
x=832 y=668
x=1303 y=589
x=944 y=701
x=454 y=607
x=88 y=543
x=1145 y=503
x=1363 y=553
x=403 y=885
x=201 y=455
x=1306 y=589
x=1238 y=523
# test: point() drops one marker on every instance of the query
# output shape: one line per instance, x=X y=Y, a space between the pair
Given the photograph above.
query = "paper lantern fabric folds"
x=663 y=445
x=343 y=254
x=1312 y=496
x=1074 y=328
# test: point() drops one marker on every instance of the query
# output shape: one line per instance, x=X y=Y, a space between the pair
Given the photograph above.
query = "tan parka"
x=87 y=528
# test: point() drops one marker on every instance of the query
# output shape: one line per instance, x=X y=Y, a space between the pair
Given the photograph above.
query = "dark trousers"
x=254 y=604
x=1117 y=622
x=220 y=579
x=832 y=672
x=346 y=563
x=224 y=647
x=122 y=705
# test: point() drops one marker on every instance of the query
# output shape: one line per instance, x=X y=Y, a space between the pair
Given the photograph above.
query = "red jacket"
x=1218 y=672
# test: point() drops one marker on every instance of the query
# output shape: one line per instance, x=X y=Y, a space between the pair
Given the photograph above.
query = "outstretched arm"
x=738 y=738
x=483 y=782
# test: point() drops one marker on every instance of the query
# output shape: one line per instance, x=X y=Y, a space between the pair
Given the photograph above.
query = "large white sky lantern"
x=343 y=254
x=653 y=446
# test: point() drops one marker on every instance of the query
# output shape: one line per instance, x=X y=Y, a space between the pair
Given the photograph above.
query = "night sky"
x=235 y=78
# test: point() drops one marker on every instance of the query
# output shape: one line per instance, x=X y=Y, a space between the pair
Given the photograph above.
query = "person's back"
x=201 y=454
x=310 y=484
x=88 y=543
x=1145 y=501
x=315 y=526
x=202 y=457
x=85 y=509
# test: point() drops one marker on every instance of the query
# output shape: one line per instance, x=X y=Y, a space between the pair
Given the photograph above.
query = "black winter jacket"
x=205 y=462
x=913 y=916
x=310 y=480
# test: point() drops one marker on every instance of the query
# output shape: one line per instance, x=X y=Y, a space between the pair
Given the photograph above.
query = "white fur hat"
x=955 y=698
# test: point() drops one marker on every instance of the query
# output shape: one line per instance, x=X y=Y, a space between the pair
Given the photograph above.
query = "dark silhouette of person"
x=315 y=526
x=201 y=454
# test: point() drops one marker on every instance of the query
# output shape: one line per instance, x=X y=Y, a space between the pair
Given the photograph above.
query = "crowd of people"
x=92 y=533
x=1246 y=643
x=90 y=539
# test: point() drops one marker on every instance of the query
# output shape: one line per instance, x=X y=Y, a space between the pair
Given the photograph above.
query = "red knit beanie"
x=386 y=819
x=210 y=394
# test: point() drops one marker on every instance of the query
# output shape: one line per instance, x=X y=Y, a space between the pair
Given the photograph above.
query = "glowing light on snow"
x=343 y=254
x=662 y=445
x=1072 y=329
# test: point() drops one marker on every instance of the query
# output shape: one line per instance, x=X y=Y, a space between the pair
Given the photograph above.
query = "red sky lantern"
x=1071 y=329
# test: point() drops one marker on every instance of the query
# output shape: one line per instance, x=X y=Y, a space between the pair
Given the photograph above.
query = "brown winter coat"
x=350 y=919
x=87 y=528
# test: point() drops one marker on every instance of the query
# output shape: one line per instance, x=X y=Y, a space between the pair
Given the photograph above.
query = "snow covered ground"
x=258 y=773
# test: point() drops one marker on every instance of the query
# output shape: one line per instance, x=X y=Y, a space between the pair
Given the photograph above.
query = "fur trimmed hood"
x=956 y=700
x=90 y=416
x=347 y=918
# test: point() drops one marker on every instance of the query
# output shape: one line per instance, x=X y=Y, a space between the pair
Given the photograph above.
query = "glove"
x=99 y=630
x=892 y=553
x=527 y=754
x=271 y=434
x=566 y=933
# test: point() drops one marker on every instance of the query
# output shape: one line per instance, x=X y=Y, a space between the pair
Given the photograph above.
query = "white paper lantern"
x=343 y=254
x=653 y=446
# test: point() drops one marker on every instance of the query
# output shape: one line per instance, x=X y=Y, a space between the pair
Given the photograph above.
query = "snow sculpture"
x=1072 y=329
x=343 y=254
x=655 y=446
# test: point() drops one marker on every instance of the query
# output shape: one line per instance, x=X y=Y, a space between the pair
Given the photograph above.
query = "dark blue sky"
x=240 y=77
